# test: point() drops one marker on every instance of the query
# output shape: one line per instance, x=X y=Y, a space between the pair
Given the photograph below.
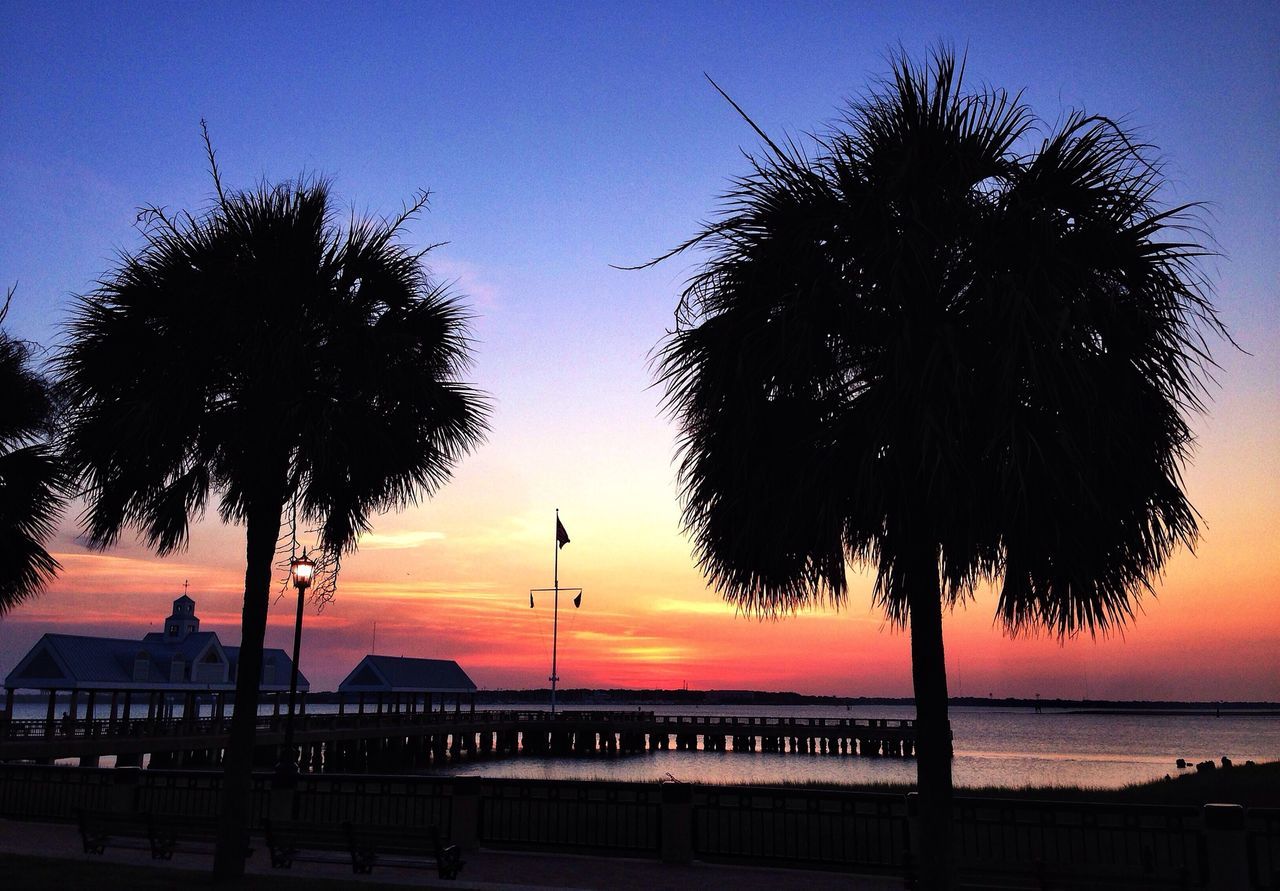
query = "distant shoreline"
x=579 y=697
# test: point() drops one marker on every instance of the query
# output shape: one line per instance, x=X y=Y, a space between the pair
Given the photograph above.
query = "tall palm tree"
x=262 y=353
x=31 y=476
x=949 y=353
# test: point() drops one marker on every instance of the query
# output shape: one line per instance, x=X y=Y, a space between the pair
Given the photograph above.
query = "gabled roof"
x=397 y=674
x=73 y=661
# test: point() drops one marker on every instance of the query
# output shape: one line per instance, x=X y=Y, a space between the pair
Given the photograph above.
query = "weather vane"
x=562 y=539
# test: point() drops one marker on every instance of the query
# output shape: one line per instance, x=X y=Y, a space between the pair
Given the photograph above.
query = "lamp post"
x=301 y=570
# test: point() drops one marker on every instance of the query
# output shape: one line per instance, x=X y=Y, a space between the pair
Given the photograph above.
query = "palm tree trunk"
x=263 y=522
x=933 y=729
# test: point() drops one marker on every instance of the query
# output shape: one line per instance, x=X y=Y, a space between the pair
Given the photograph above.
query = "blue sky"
x=560 y=138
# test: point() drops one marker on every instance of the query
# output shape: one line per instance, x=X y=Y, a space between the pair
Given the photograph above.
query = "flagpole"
x=555 y=621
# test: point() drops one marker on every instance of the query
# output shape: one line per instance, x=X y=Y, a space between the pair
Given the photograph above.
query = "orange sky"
x=451 y=579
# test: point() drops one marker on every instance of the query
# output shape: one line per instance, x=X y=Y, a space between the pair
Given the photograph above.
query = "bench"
x=161 y=834
x=290 y=841
x=188 y=835
x=98 y=829
x=363 y=846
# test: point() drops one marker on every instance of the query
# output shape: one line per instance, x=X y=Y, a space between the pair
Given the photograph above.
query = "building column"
x=48 y=730
x=75 y=703
x=8 y=711
x=115 y=714
x=473 y=705
x=361 y=703
x=342 y=705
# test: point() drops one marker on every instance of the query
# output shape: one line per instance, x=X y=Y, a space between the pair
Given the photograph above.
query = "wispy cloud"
x=709 y=607
x=398 y=541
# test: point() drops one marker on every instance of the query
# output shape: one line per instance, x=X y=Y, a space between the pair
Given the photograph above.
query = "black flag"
x=530 y=600
x=577 y=601
x=562 y=537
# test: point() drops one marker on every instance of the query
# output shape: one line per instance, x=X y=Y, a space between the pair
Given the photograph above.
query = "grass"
x=1255 y=785
x=22 y=873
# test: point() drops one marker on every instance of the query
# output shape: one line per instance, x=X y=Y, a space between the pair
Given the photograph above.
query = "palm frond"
x=921 y=336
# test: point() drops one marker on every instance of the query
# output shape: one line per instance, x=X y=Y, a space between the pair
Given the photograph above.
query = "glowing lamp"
x=301 y=569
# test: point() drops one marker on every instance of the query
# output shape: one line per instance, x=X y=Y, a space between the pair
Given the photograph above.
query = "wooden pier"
x=392 y=741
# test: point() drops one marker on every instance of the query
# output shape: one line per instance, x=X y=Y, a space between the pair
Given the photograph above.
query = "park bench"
x=363 y=846
x=98 y=829
x=161 y=834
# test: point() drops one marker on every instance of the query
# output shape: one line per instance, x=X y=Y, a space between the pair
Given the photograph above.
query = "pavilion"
x=180 y=664
x=410 y=685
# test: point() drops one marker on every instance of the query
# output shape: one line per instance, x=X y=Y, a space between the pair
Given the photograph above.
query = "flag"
x=530 y=600
x=562 y=537
x=577 y=601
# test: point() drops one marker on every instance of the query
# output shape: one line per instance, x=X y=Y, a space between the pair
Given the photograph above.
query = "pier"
x=385 y=741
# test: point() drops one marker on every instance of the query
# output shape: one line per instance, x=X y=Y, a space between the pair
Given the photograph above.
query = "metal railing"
x=37 y=792
x=845 y=830
x=1158 y=846
x=587 y=816
x=1141 y=846
x=379 y=801
x=1262 y=834
x=192 y=794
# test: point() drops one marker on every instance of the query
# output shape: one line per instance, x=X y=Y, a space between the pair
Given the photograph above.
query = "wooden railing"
x=101 y=728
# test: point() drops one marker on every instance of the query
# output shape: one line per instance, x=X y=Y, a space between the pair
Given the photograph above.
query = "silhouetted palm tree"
x=946 y=353
x=263 y=354
x=31 y=477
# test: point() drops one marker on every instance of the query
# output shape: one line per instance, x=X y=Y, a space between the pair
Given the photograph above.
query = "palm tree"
x=940 y=351
x=31 y=476
x=265 y=355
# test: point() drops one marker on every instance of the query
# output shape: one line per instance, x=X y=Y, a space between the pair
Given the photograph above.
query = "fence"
x=1037 y=841
x=1154 y=846
x=833 y=829
x=380 y=801
x=593 y=816
x=1262 y=837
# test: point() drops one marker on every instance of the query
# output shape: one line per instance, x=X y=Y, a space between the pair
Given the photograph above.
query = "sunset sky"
x=558 y=139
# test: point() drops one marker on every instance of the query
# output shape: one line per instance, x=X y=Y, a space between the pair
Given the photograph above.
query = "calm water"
x=993 y=747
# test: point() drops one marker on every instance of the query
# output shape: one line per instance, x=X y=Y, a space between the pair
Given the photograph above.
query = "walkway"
x=485 y=869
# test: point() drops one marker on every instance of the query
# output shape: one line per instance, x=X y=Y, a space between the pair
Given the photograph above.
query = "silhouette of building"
x=177 y=664
x=411 y=685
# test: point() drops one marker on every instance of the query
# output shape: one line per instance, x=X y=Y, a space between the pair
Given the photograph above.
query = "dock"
x=399 y=740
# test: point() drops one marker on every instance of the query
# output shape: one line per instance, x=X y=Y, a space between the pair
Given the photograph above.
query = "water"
x=993 y=747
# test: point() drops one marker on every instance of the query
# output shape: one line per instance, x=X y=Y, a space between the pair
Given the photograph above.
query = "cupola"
x=183 y=621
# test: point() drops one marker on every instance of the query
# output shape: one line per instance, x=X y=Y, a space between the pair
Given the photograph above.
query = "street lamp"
x=301 y=570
